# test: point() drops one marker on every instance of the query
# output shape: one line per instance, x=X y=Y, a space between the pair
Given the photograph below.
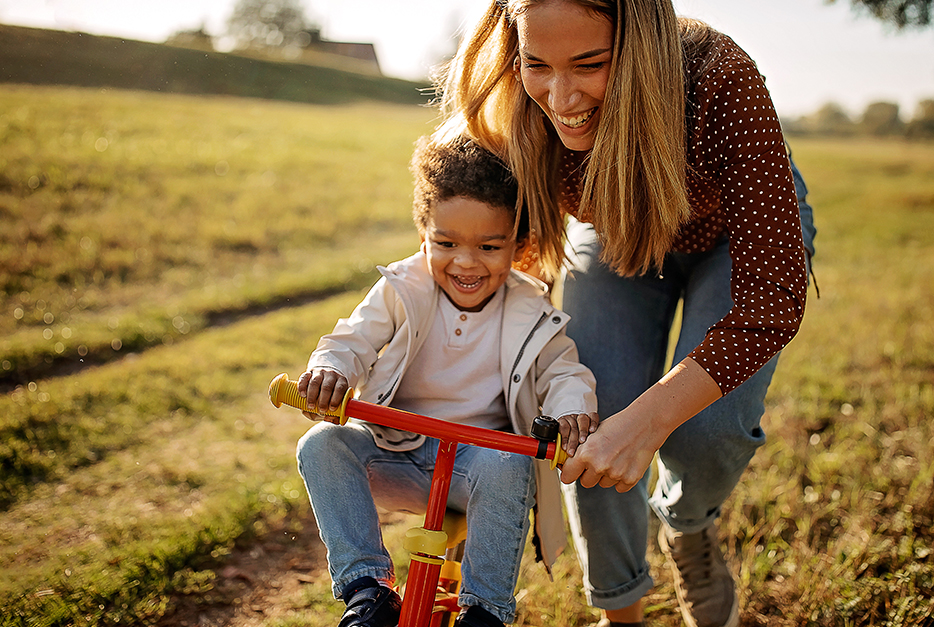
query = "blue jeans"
x=347 y=476
x=621 y=327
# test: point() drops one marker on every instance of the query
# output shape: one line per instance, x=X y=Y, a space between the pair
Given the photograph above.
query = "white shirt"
x=456 y=374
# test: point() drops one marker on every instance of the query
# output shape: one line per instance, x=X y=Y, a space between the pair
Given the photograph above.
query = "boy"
x=454 y=333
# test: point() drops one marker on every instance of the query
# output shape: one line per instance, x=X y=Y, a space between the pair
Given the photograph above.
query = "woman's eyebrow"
x=577 y=57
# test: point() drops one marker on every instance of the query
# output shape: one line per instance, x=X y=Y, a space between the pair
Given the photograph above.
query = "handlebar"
x=282 y=390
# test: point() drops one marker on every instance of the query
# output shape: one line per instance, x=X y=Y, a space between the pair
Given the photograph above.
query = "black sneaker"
x=372 y=606
x=476 y=616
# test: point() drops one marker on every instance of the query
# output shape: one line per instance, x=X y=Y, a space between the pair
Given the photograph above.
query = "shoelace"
x=691 y=567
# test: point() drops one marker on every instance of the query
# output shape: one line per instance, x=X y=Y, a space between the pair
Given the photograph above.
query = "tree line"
x=879 y=119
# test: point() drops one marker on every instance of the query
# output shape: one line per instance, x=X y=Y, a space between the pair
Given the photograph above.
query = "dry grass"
x=131 y=481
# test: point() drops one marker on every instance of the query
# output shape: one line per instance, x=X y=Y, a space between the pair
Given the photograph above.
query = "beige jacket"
x=539 y=365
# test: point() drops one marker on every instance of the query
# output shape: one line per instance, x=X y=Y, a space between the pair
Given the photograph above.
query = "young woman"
x=650 y=155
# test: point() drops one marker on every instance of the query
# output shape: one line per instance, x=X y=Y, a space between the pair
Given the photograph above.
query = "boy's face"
x=470 y=250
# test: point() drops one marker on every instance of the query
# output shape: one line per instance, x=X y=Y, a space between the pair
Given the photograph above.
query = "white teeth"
x=578 y=121
x=463 y=283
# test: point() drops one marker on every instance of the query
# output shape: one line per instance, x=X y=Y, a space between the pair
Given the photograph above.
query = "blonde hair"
x=635 y=190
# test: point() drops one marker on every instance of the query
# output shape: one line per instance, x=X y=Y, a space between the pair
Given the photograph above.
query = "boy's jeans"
x=347 y=476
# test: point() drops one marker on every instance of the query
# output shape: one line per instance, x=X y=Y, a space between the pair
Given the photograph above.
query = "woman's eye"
x=592 y=66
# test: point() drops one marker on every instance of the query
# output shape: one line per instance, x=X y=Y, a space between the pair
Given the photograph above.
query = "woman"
x=657 y=136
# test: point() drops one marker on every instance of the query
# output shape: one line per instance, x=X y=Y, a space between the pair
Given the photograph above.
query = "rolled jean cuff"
x=622 y=596
x=466 y=600
x=692 y=525
x=381 y=575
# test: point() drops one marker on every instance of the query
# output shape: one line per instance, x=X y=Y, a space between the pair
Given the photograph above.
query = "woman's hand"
x=620 y=451
x=616 y=455
x=322 y=389
x=575 y=429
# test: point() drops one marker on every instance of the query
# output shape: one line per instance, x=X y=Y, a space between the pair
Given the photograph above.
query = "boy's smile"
x=470 y=250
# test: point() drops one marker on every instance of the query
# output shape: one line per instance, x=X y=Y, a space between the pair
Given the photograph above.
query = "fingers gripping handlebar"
x=546 y=443
x=283 y=390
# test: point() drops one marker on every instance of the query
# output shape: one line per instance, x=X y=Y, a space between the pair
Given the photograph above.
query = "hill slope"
x=49 y=57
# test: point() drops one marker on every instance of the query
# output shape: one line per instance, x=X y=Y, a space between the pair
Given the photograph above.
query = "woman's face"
x=564 y=56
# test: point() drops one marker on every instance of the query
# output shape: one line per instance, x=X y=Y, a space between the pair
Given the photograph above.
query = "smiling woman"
x=655 y=171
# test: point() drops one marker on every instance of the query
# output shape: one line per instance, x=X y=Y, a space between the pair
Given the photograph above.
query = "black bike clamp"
x=545 y=430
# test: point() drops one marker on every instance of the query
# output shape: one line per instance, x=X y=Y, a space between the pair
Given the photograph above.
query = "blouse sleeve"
x=737 y=131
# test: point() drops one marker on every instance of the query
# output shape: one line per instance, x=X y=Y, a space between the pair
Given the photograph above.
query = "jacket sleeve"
x=563 y=384
x=355 y=343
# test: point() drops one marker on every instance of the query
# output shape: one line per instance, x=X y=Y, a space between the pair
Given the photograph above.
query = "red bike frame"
x=426 y=544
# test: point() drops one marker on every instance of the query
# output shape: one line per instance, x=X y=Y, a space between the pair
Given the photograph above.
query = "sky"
x=811 y=53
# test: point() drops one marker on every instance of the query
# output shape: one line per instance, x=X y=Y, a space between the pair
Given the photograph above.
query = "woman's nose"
x=563 y=94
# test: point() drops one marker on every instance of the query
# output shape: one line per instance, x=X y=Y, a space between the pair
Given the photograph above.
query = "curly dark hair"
x=461 y=168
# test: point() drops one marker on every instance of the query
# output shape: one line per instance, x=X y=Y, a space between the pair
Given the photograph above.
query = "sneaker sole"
x=731 y=621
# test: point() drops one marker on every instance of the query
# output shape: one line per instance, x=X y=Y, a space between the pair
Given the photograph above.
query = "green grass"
x=131 y=219
x=835 y=518
x=180 y=454
x=128 y=482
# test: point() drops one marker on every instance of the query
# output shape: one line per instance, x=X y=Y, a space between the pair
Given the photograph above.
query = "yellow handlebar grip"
x=561 y=455
x=283 y=390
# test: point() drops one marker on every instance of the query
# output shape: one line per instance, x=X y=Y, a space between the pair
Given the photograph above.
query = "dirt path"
x=259 y=582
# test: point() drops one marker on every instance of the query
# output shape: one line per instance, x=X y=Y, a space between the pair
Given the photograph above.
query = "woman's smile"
x=577 y=121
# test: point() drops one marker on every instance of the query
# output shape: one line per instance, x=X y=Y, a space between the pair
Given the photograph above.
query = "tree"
x=901 y=13
x=881 y=118
x=830 y=119
x=922 y=124
x=268 y=24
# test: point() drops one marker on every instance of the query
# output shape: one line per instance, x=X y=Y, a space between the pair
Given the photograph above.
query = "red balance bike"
x=430 y=595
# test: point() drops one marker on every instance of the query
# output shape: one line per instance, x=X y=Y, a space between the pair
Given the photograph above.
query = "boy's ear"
x=423 y=245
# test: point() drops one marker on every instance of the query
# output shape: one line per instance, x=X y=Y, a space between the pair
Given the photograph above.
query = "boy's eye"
x=488 y=247
x=445 y=244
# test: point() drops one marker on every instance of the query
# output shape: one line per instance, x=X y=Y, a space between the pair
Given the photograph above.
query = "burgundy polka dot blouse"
x=740 y=187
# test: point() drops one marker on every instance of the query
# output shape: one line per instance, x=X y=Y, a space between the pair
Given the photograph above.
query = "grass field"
x=162 y=257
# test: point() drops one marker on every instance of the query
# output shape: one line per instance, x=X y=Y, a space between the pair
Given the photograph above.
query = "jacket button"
x=556 y=319
x=516 y=378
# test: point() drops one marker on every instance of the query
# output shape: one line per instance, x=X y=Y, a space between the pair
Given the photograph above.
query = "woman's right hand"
x=621 y=449
x=325 y=389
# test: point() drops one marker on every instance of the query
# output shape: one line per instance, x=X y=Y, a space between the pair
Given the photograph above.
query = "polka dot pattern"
x=740 y=187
